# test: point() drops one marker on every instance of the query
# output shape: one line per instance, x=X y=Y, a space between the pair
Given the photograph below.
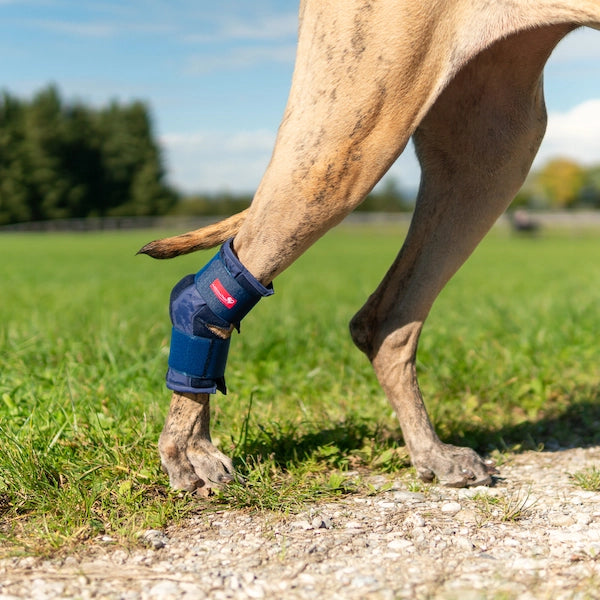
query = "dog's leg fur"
x=459 y=200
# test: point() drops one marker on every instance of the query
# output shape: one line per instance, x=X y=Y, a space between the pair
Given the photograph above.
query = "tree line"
x=61 y=160
x=561 y=184
x=67 y=160
x=387 y=198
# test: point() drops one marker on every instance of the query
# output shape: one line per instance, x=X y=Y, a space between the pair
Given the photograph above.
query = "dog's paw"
x=213 y=469
x=454 y=466
x=198 y=467
x=187 y=454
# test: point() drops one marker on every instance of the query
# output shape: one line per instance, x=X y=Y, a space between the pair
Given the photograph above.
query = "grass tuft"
x=503 y=509
x=588 y=479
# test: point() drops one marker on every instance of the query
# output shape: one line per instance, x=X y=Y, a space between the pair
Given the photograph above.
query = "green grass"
x=588 y=479
x=502 y=509
x=508 y=360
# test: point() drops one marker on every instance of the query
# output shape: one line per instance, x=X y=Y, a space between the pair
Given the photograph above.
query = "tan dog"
x=464 y=77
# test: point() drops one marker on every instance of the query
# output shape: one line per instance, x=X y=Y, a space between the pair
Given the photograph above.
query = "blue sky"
x=216 y=76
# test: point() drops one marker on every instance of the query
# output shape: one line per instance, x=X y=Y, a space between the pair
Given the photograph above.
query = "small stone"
x=254 y=591
x=306 y=579
x=414 y=520
x=70 y=561
x=408 y=497
x=467 y=516
x=564 y=536
x=583 y=518
x=234 y=583
x=463 y=543
x=528 y=564
x=303 y=524
x=321 y=523
x=192 y=591
x=119 y=557
x=107 y=539
x=451 y=508
x=28 y=562
x=400 y=544
x=479 y=490
x=560 y=520
x=363 y=581
x=43 y=589
x=248 y=577
x=155 y=539
x=378 y=482
x=165 y=589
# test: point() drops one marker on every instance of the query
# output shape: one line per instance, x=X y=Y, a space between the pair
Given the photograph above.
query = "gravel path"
x=534 y=535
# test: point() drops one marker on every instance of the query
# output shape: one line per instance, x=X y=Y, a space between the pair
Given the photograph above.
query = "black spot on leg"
x=361 y=26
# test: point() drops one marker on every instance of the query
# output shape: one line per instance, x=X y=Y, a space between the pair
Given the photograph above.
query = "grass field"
x=508 y=360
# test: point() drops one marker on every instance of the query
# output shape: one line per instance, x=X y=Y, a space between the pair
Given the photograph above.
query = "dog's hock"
x=204 y=310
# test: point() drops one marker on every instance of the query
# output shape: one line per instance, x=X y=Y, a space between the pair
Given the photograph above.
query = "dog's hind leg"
x=475 y=146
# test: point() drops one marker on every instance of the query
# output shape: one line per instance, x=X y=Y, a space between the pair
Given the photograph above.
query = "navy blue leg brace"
x=221 y=294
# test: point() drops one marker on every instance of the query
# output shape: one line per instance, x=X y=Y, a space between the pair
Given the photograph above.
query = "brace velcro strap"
x=198 y=357
x=222 y=293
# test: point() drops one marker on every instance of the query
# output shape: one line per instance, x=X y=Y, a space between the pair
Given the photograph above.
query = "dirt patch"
x=536 y=534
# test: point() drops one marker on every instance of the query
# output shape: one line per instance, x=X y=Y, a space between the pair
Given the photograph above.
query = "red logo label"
x=224 y=297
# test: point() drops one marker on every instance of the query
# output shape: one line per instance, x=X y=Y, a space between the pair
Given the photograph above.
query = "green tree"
x=60 y=160
x=134 y=174
x=389 y=198
x=590 y=194
x=560 y=183
x=14 y=188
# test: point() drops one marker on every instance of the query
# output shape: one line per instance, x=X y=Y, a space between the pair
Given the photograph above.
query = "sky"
x=215 y=76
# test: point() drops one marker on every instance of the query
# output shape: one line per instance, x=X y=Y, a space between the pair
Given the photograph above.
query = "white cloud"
x=210 y=161
x=240 y=58
x=573 y=134
x=262 y=28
